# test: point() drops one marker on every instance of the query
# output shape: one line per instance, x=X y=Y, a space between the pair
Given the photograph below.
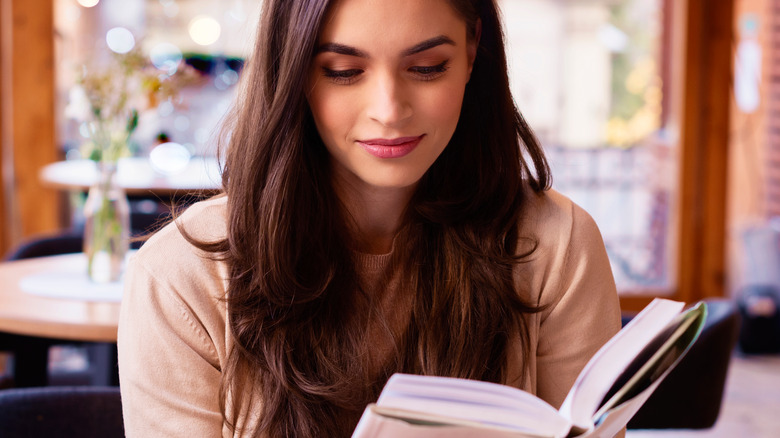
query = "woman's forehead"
x=382 y=24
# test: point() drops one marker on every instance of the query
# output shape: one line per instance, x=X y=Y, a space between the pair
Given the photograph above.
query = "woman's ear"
x=474 y=44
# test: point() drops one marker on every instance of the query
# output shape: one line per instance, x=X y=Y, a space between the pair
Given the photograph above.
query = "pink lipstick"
x=391 y=148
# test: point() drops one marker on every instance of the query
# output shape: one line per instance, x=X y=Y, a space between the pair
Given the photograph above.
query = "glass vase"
x=106 y=226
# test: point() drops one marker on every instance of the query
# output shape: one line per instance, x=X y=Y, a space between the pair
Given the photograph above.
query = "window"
x=588 y=78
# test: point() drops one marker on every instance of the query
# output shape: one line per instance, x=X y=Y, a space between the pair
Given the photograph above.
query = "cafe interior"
x=657 y=117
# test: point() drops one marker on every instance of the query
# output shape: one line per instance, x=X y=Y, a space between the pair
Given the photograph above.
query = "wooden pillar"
x=6 y=109
x=705 y=139
x=698 y=81
x=28 y=128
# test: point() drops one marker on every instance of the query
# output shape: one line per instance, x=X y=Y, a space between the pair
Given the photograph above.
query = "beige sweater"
x=174 y=339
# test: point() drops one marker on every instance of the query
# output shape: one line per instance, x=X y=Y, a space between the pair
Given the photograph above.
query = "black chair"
x=61 y=412
x=30 y=365
x=690 y=397
x=759 y=306
x=55 y=244
x=70 y=242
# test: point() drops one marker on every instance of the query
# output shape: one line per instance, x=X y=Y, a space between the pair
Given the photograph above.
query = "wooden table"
x=60 y=318
x=137 y=177
x=30 y=323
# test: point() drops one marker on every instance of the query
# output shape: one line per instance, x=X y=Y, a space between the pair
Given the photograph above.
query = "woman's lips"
x=390 y=148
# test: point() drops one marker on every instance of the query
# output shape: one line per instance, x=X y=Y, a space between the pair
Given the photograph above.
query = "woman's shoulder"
x=173 y=300
x=168 y=253
x=550 y=216
x=565 y=240
x=204 y=221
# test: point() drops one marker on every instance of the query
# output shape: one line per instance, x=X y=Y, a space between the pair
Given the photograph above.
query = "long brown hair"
x=296 y=312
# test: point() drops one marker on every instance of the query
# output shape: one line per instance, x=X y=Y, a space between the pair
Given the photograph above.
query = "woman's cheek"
x=444 y=106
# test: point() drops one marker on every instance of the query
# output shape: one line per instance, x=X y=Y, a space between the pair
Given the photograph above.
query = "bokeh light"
x=170 y=8
x=88 y=3
x=85 y=129
x=204 y=30
x=120 y=40
x=226 y=79
x=169 y=158
x=202 y=135
x=166 y=57
x=165 y=108
x=181 y=123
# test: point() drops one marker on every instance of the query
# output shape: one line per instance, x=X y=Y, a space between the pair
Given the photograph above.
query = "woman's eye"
x=342 y=76
x=429 y=72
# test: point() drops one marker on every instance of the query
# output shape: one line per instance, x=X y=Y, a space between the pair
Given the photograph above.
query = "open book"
x=607 y=393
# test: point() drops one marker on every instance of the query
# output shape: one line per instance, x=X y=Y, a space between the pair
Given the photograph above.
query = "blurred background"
x=656 y=116
x=659 y=117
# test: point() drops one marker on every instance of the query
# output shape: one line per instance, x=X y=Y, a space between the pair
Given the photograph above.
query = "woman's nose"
x=388 y=102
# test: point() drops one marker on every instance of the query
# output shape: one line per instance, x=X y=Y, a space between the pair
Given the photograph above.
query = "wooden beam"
x=29 y=45
x=700 y=90
x=704 y=152
x=6 y=121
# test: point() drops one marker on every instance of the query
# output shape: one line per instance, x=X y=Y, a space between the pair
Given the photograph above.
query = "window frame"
x=698 y=75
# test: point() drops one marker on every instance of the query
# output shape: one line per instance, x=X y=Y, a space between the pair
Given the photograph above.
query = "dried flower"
x=109 y=98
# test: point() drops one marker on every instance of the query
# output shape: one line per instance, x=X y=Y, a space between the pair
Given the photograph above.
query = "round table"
x=137 y=176
x=65 y=317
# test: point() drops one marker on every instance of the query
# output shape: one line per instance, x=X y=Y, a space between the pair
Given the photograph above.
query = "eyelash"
x=346 y=77
x=432 y=72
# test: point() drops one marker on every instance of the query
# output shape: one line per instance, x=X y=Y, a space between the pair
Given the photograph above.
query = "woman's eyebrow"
x=343 y=49
x=428 y=44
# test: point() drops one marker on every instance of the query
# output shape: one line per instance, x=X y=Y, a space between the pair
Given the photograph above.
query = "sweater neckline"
x=372 y=262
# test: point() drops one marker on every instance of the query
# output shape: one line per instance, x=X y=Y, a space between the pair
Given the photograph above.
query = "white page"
x=472 y=400
x=378 y=422
x=609 y=362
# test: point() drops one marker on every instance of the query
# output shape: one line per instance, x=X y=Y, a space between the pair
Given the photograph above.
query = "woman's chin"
x=392 y=182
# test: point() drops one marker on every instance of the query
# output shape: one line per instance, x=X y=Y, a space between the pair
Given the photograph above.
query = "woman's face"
x=386 y=87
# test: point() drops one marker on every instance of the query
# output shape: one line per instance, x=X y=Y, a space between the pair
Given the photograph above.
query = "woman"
x=385 y=210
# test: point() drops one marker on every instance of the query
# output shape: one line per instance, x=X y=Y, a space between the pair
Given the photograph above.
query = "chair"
x=759 y=306
x=64 y=243
x=61 y=411
x=70 y=242
x=690 y=396
x=31 y=353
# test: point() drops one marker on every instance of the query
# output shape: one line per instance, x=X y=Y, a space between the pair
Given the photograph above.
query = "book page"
x=617 y=418
x=657 y=359
x=609 y=362
x=380 y=422
x=483 y=402
x=630 y=397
